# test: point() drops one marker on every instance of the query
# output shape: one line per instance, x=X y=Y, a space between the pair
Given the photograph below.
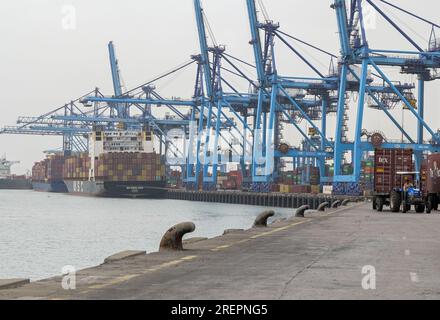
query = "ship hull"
x=114 y=189
x=13 y=184
x=54 y=186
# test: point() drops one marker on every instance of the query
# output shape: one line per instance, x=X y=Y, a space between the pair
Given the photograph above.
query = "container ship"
x=47 y=175
x=120 y=163
x=9 y=181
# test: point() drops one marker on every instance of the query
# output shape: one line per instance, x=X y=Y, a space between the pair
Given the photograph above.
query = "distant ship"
x=9 y=181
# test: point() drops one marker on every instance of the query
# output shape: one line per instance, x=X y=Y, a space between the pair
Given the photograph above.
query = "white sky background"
x=44 y=66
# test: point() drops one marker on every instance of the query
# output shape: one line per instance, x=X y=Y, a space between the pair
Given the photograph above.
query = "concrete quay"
x=349 y=253
x=280 y=200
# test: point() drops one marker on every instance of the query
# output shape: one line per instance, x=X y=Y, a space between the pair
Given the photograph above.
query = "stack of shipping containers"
x=290 y=181
x=367 y=176
x=49 y=170
x=129 y=167
x=232 y=180
x=174 y=179
x=77 y=167
x=39 y=171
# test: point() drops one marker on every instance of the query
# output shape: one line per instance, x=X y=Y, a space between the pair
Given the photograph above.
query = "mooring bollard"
x=346 y=202
x=323 y=206
x=172 y=239
x=261 y=220
x=336 y=204
x=301 y=210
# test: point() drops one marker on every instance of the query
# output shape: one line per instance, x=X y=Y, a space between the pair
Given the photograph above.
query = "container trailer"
x=393 y=169
x=396 y=184
x=430 y=176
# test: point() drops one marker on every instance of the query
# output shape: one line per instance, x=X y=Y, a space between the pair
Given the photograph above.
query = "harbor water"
x=40 y=233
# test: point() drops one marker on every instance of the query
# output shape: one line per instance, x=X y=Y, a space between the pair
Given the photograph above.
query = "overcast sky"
x=44 y=65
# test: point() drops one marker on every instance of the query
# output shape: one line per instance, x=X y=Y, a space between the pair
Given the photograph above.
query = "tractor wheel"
x=380 y=203
x=428 y=207
x=395 y=201
x=374 y=203
x=430 y=203
x=405 y=207
x=420 y=208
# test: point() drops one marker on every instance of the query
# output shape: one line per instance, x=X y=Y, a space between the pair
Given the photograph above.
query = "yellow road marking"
x=188 y=258
x=128 y=277
x=115 y=281
x=242 y=241
x=259 y=235
x=279 y=229
x=343 y=209
x=230 y=245
x=167 y=264
x=221 y=247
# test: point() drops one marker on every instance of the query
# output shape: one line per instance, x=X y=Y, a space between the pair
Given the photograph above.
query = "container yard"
x=333 y=124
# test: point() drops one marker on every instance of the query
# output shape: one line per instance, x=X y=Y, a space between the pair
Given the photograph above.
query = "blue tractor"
x=407 y=196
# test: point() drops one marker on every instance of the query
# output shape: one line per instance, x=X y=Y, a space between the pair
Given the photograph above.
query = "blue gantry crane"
x=216 y=104
x=283 y=106
x=74 y=133
x=356 y=50
x=220 y=119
